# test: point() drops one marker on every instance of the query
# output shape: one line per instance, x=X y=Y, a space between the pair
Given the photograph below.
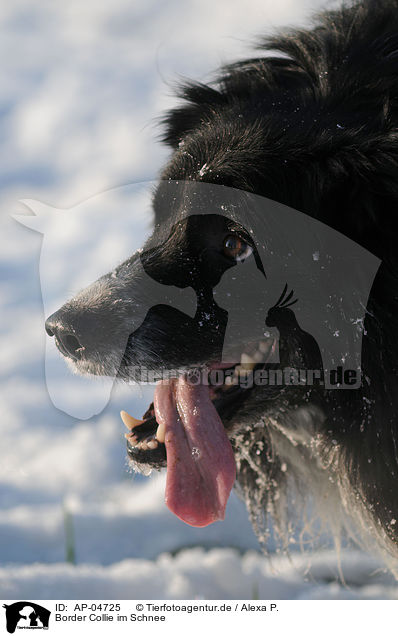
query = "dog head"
x=302 y=131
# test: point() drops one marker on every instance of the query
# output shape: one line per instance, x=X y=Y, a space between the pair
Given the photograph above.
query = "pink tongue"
x=200 y=462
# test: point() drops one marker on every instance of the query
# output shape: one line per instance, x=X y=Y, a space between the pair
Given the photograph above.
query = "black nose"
x=66 y=338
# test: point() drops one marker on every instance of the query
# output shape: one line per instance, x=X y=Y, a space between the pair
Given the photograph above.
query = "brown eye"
x=234 y=247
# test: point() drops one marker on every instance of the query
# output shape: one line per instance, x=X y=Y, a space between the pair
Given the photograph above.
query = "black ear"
x=200 y=101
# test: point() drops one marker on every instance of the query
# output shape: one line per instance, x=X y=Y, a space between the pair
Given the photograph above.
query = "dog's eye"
x=234 y=247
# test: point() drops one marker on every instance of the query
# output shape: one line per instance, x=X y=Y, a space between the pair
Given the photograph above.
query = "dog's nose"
x=66 y=339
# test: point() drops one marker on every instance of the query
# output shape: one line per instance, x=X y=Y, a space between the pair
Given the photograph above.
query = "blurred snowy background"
x=81 y=87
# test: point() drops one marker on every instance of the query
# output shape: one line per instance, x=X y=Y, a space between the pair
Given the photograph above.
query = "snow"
x=196 y=574
x=80 y=88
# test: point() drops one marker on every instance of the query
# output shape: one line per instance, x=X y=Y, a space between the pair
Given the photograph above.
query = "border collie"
x=303 y=135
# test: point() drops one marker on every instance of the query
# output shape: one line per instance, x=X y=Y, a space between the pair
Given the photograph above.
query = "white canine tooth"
x=131 y=438
x=247 y=363
x=161 y=433
x=244 y=371
x=129 y=421
x=246 y=359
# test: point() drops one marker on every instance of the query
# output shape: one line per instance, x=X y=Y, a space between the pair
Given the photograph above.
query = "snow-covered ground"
x=80 y=87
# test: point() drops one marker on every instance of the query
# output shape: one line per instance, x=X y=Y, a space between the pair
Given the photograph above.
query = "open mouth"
x=186 y=428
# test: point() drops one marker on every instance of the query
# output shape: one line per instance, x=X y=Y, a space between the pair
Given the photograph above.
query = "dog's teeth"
x=243 y=371
x=131 y=438
x=247 y=363
x=246 y=359
x=129 y=421
x=160 y=433
x=145 y=444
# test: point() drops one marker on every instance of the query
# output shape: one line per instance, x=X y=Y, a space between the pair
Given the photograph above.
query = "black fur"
x=312 y=122
x=315 y=126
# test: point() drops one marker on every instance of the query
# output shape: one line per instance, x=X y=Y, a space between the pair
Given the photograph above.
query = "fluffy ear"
x=43 y=214
x=200 y=101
